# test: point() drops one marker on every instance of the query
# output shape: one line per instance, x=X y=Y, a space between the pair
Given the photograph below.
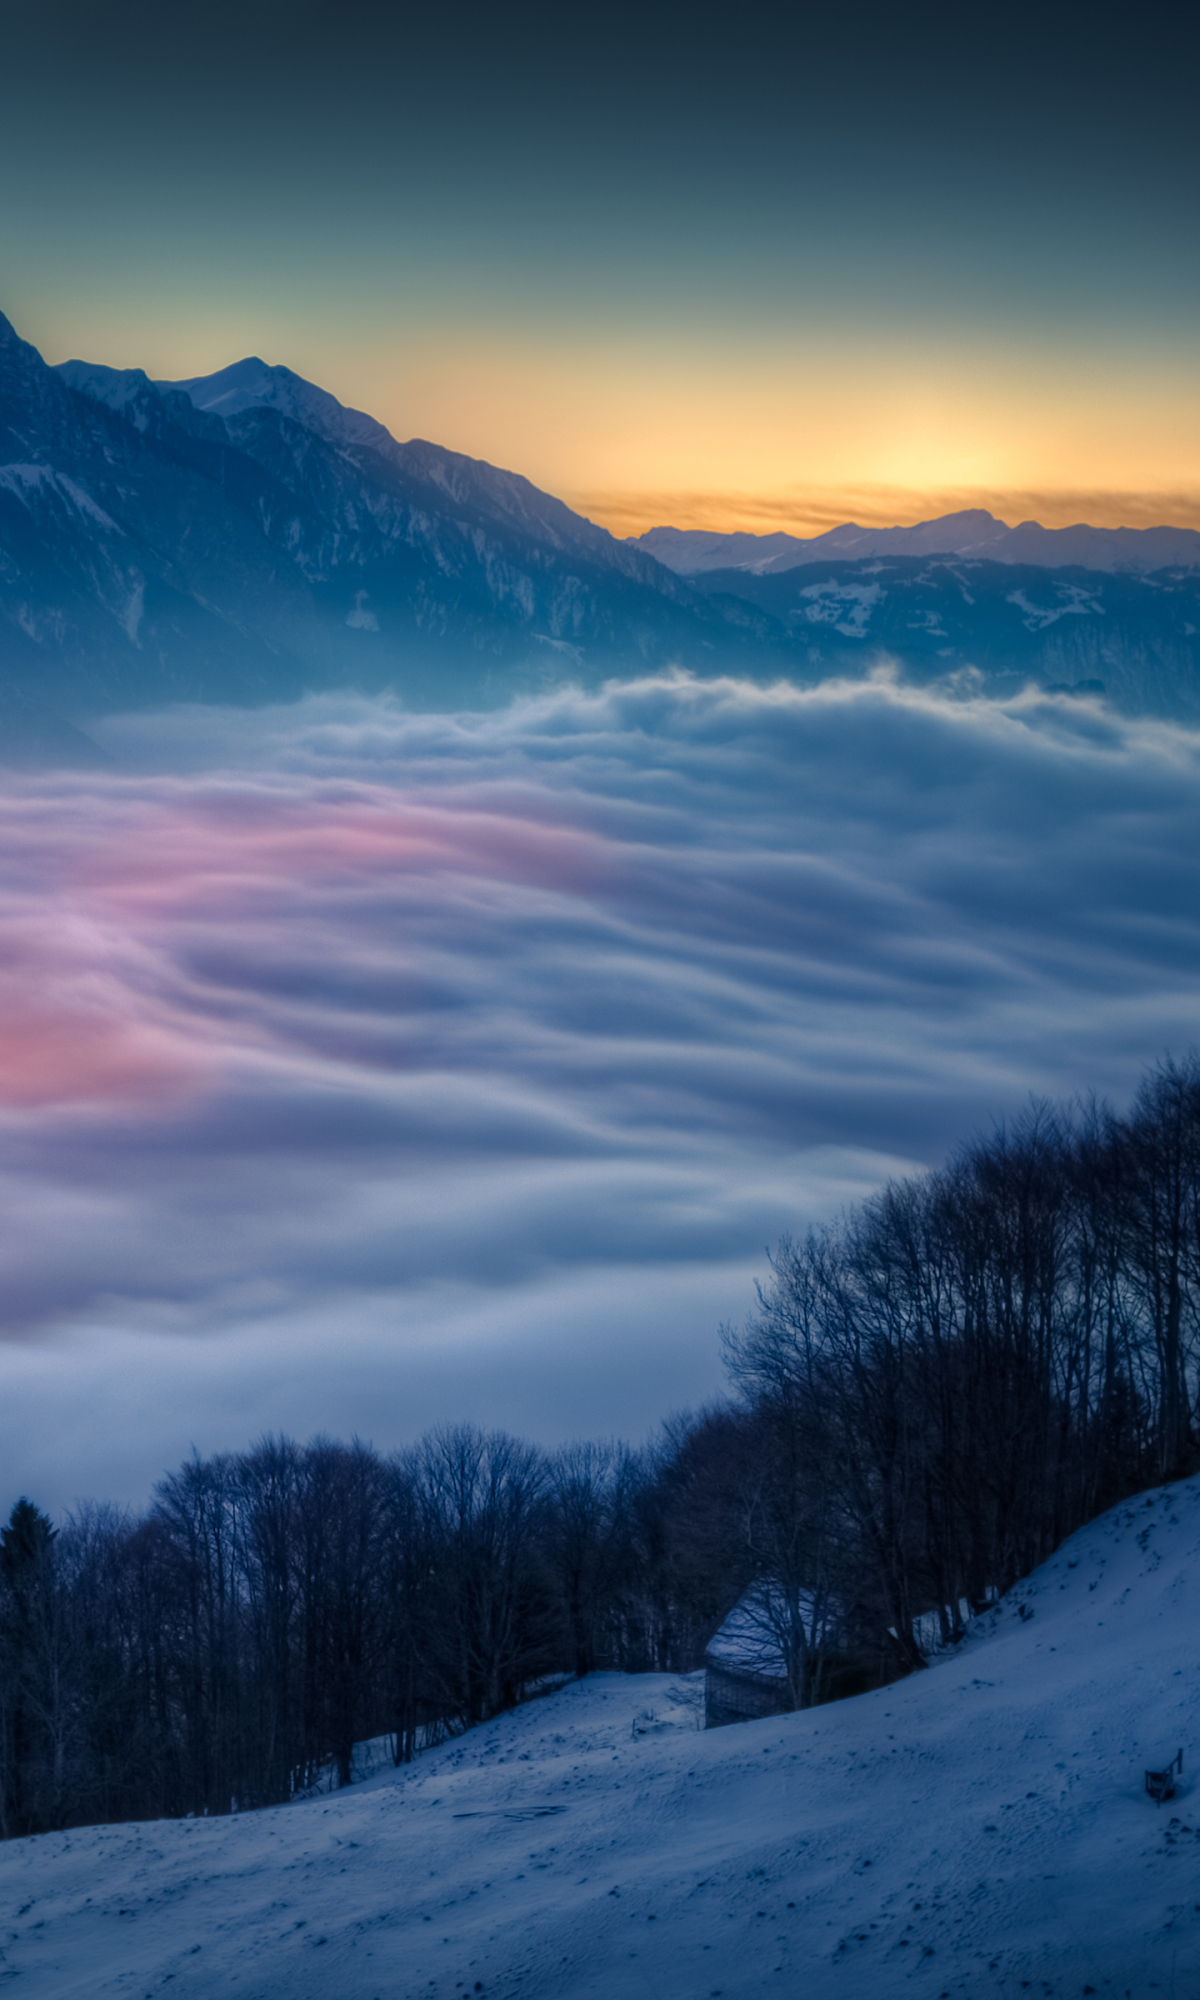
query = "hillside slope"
x=978 y=1829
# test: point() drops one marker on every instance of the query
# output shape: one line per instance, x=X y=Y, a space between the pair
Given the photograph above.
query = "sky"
x=362 y=1070
x=775 y=268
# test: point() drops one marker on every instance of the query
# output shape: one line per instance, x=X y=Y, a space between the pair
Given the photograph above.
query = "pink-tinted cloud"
x=421 y=1062
x=54 y=1054
x=107 y=913
x=226 y=848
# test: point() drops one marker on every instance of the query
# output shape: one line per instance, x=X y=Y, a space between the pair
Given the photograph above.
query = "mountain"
x=252 y=384
x=994 y=1838
x=972 y=533
x=243 y=537
x=990 y=626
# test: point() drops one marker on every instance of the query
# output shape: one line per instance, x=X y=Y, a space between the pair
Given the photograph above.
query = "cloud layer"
x=360 y=1069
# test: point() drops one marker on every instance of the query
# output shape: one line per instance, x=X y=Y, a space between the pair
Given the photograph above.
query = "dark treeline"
x=274 y=1607
x=931 y=1394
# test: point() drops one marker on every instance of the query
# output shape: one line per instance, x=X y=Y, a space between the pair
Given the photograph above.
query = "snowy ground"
x=978 y=1829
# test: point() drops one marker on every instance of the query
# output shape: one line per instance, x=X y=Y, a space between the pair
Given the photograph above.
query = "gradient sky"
x=749 y=269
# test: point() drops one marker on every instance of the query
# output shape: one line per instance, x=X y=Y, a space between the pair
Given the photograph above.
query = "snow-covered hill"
x=979 y=1829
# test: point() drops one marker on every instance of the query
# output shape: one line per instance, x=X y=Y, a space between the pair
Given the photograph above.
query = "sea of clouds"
x=361 y=1070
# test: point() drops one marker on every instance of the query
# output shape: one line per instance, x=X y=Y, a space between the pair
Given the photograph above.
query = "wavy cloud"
x=360 y=1069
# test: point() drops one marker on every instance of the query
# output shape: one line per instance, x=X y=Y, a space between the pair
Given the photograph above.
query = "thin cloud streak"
x=365 y=1069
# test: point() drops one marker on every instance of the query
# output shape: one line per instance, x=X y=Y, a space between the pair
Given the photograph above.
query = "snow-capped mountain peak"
x=115 y=387
x=254 y=384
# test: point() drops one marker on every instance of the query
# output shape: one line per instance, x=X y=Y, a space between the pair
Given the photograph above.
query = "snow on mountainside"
x=987 y=627
x=973 y=534
x=286 y=545
x=981 y=1828
x=116 y=388
x=251 y=384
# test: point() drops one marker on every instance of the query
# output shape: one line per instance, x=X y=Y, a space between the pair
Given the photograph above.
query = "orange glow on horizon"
x=806 y=514
x=805 y=440
x=740 y=428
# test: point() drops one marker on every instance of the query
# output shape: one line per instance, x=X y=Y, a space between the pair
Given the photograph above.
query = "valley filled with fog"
x=366 y=1069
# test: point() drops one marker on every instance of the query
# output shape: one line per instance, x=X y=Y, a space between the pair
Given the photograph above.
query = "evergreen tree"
x=27 y=1785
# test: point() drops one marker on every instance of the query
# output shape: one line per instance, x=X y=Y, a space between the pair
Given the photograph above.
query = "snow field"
x=979 y=1829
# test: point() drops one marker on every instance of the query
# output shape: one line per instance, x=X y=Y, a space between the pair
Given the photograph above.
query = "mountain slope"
x=499 y=498
x=996 y=626
x=980 y=1828
x=252 y=384
x=153 y=549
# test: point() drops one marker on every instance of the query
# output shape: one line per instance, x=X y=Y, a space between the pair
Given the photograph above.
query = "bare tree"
x=490 y=1623
x=1163 y=1208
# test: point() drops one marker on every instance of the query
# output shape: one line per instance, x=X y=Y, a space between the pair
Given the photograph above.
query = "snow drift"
x=981 y=1828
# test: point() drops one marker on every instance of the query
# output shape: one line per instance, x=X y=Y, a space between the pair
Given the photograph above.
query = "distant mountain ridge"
x=973 y=534
x=985 y=627
x=243 y=537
